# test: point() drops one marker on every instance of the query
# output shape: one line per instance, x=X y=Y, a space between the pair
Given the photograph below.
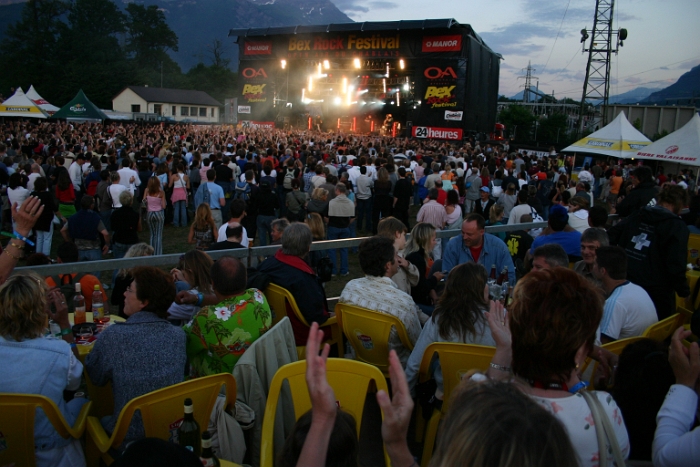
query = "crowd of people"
x=579 y=282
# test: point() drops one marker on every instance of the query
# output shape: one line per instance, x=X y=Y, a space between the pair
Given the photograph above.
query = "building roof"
x=174 y=96
x=367 y=26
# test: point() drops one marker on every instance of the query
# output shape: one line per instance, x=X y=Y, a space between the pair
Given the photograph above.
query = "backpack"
x=242 y=191
x=535 y=218
x=288 y=177
x=68 y=290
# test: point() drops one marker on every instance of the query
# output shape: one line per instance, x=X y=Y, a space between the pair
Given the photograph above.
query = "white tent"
x=19 y=105
x=682 y=146
x=41 y=102
x=617 y=139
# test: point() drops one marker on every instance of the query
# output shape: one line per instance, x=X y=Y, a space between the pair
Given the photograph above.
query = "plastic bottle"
x=188 y=434
x=78 y=305
x=98 y=308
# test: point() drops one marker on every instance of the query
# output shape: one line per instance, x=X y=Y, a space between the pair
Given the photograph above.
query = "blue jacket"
x=494 y=252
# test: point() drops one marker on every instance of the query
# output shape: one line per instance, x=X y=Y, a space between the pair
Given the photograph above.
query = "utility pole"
x=161 y=74
x=604 y=42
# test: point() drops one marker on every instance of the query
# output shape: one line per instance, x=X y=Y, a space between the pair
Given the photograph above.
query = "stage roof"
x=367 y=26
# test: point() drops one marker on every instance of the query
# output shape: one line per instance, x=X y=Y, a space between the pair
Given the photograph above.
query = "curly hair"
x=156 y=287
x=554 y=312
x=375 y=252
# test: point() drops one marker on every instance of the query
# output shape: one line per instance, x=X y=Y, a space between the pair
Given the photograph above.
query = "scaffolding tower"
x=604 y=42
x=528 y=82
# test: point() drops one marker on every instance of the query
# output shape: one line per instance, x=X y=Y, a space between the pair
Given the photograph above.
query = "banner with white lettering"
x=256 y=89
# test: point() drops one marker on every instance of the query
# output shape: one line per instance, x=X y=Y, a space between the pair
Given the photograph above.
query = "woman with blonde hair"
x=578 y=213
x=37 y=363
x=496 y=214
x=155 y=205
x=318 y=202
x=193 y=274
x=417 y=252
x=203 y=230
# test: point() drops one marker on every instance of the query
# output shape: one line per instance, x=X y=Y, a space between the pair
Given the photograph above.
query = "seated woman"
x=417 y=252
x=143 y=354
x=123 y=278
x=546 y=335
x=36 y=364
x=193 y=275
x=458 y=317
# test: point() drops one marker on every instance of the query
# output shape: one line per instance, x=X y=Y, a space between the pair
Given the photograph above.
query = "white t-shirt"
x=222 y=235
x=628 y=312
x=573 y=412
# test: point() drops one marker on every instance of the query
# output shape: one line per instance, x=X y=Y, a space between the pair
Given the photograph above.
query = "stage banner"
x=440 y=88
x=256 y=89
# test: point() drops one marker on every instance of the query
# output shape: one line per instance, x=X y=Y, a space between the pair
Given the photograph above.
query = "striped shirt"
x=432 y=213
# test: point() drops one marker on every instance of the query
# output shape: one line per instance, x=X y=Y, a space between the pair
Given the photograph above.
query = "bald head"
x=228 y=276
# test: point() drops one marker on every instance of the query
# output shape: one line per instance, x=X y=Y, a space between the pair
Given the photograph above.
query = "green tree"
x=28 y=53
x=518 y=121
x=552 y=129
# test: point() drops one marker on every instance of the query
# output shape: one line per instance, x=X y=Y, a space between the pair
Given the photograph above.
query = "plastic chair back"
x=693 y=248
x=17 y=413
x=350 y=381
x=162 y=411
x=278 y=298
x=455 y=361
x=368 y=332
x=663 y=329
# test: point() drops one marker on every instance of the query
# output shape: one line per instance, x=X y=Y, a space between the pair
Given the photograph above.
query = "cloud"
x=384 y=5
x=664 y=68
x=633 y=80
x=688 y=65
x=347 y=6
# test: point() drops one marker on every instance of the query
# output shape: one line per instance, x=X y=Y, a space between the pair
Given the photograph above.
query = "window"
x=212 y=112
x=135 y=108
x=193 y=111
x=184 y=111
x=202 y=111
x=174 y=111
x=157 y=108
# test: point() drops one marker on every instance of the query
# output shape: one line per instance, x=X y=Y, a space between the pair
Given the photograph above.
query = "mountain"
x=629 y=97
x=198 y=22
x=686 y=88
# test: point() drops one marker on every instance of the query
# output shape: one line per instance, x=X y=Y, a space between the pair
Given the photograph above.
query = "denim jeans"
x=106 y=217
x=43 y=240
x=264 y=228
x=180 y=214
x=335 y=233
x=364 y=213
x=91 y=255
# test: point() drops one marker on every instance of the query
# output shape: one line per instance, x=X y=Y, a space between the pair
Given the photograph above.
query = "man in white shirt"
x=585 y=176
x=127 y=175
x=75 y=171
x=377 y=292
x=628 y=310
x=237 y=212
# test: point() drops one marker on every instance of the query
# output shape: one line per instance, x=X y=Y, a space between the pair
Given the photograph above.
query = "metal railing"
x=244 y=253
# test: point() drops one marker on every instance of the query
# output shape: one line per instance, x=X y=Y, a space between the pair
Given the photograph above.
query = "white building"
x=178 y=104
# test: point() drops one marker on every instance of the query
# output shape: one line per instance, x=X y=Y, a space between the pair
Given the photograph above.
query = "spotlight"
x=283 y=63
x=356 y=62
x=311 y=83
x=402 y=64
x=326 y=64
x=337 y=101
x=344 y=87
x=584 y=35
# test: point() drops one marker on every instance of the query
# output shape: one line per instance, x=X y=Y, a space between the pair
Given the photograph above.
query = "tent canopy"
x=682 y=146
x=80 y=108
x=19 y=105
x=617 y=139
x=41 y=102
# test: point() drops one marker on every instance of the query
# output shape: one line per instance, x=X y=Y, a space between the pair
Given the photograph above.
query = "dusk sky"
x=663 y=40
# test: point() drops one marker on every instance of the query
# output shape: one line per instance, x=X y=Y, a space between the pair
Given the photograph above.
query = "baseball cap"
x=486 y=189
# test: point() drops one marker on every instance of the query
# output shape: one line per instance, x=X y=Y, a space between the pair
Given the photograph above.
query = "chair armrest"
x=79 y=426
x=98 y=434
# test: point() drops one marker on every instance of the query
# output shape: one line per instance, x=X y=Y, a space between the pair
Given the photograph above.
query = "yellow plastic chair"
x=368 y=333
x=455 y=361
x=693 y=248
x=161 y=412
x=350 y=380
x=615 y=347
x=17 y=412
x=664 y=328
x=685 y=313
x=278 y=298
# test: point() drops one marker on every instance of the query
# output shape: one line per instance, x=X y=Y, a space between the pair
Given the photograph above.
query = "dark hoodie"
x=655 y=240
x=638 y=197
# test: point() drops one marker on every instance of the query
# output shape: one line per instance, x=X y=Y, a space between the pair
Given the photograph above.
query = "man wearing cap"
x=483 y=206
x=560 y=232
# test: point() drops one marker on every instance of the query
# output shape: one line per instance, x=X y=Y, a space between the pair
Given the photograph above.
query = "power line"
x=558 y=32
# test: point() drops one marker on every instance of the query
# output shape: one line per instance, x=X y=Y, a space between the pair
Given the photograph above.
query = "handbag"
x=601 y=420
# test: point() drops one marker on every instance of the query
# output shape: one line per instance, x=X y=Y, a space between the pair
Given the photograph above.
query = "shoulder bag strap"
x=603 y=427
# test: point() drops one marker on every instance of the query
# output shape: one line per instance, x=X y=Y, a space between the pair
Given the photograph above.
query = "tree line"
x=61 y=46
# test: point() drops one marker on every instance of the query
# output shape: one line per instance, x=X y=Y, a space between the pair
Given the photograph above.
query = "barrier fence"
x=251 y=254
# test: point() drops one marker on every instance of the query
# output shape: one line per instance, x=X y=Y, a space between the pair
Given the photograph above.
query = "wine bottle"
x=188 y=434
x=208 y=458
